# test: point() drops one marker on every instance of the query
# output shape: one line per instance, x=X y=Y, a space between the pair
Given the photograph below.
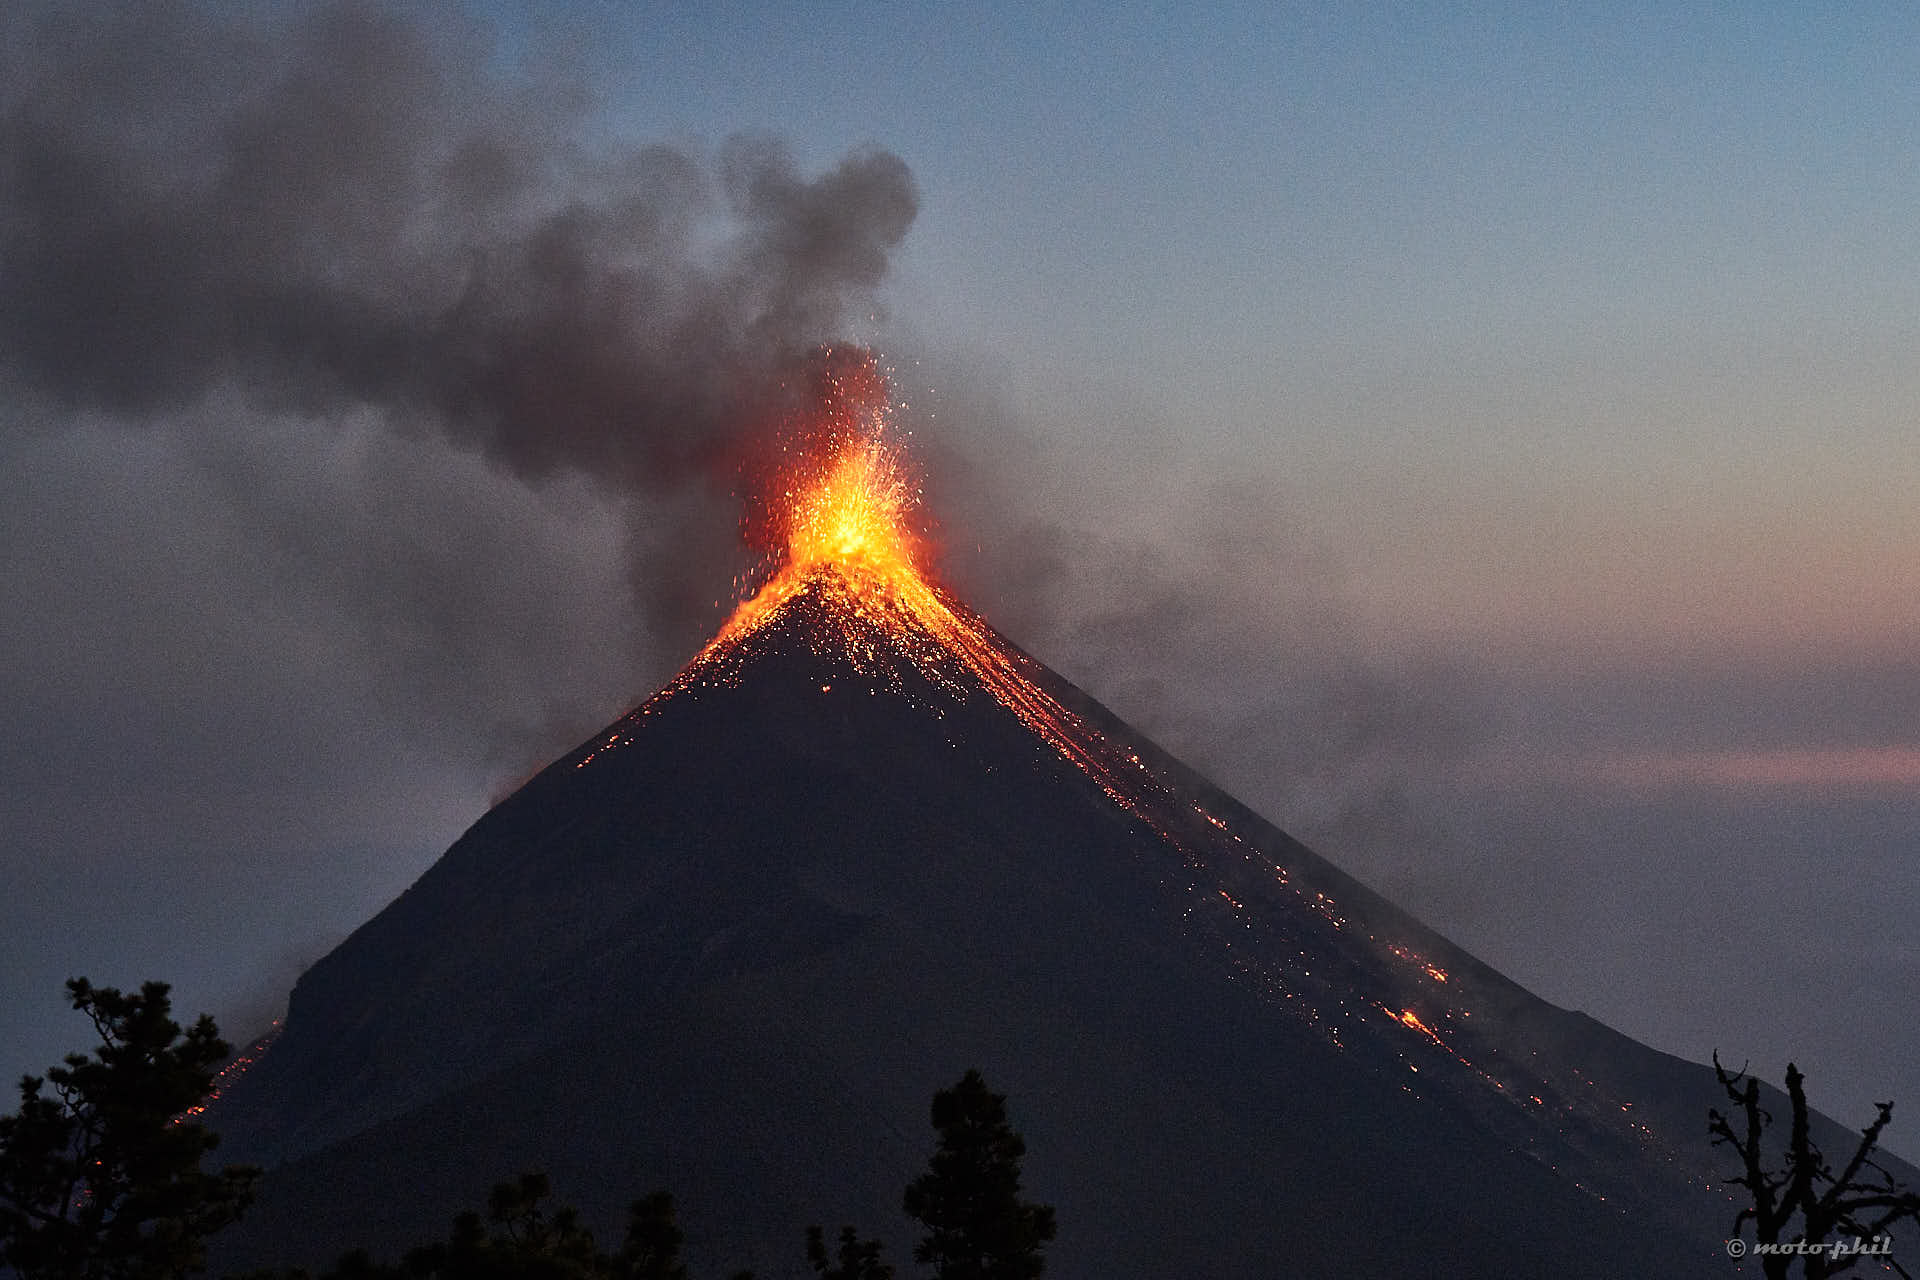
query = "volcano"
x=733 y=943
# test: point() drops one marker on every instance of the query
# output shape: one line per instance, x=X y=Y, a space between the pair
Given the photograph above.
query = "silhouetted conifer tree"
x=652 y=1249
x=521 y=1238
x=1843 y=1214
x=969 y=1198
x=101 y=1178
x=858 y=1259
x=358 y=1265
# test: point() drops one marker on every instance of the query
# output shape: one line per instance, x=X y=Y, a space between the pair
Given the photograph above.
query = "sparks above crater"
x=840 y=515
x=841 y=527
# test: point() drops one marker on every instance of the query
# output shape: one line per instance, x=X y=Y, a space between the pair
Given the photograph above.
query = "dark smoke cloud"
x=367 y=418
x=342 y=209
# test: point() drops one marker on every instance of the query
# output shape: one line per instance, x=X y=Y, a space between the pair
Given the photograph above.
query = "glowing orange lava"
x=842 y=533
x=856 y=515
x=842 y=513
x=227 y=1076
x=1408 y=1018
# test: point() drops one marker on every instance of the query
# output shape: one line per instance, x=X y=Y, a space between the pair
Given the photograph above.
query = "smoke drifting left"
x=339 y=209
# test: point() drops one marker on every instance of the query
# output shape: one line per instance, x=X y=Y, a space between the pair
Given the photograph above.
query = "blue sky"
x=1481 y=436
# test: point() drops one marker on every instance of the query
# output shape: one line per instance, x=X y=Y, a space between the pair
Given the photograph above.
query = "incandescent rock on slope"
x=731 y=946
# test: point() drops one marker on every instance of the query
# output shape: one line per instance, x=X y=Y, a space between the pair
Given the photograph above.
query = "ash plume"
x=340 y=209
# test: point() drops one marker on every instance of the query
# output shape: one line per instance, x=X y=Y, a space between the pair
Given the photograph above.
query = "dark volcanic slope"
x=732 y=945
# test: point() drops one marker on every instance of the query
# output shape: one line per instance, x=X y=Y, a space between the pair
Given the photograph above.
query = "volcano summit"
x=731 y=944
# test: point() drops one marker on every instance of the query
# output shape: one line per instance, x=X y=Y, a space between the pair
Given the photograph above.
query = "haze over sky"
x=1484 y=440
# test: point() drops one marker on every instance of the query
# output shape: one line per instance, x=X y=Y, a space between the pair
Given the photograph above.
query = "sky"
x=1479 y=436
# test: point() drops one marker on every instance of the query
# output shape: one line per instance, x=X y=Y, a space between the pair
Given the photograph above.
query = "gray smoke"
x=342 y=209
x=1197 y=608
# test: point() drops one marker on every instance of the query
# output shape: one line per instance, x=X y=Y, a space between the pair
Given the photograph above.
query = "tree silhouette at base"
x=969 y=1198
x=1837 y=1212
x=521 y=1238
x=858 y=1259
x=101 y=1179
x=652 y=1250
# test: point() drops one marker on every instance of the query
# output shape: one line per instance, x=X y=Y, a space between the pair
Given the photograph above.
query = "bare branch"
x=1869 y=1138
x=1829 y=1206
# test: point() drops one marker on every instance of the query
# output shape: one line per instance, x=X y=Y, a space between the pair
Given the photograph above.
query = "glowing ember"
x=1407 y=1017
x=839 y=516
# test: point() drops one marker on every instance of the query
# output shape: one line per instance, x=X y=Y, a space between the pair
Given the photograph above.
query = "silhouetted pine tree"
x=527 y=1241
x=101 y=1179
x=859 y=1259
x=652 y=1250
x=969 y=1198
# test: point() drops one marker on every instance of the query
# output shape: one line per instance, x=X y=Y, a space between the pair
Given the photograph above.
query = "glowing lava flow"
x=227 y=1076
x=843 y=525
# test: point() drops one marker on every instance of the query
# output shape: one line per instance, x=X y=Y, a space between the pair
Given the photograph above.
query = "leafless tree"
x=1845 y=1215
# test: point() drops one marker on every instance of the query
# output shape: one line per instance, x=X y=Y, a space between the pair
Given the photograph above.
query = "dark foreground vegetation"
x=101 y=1179
x=100 y=1175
